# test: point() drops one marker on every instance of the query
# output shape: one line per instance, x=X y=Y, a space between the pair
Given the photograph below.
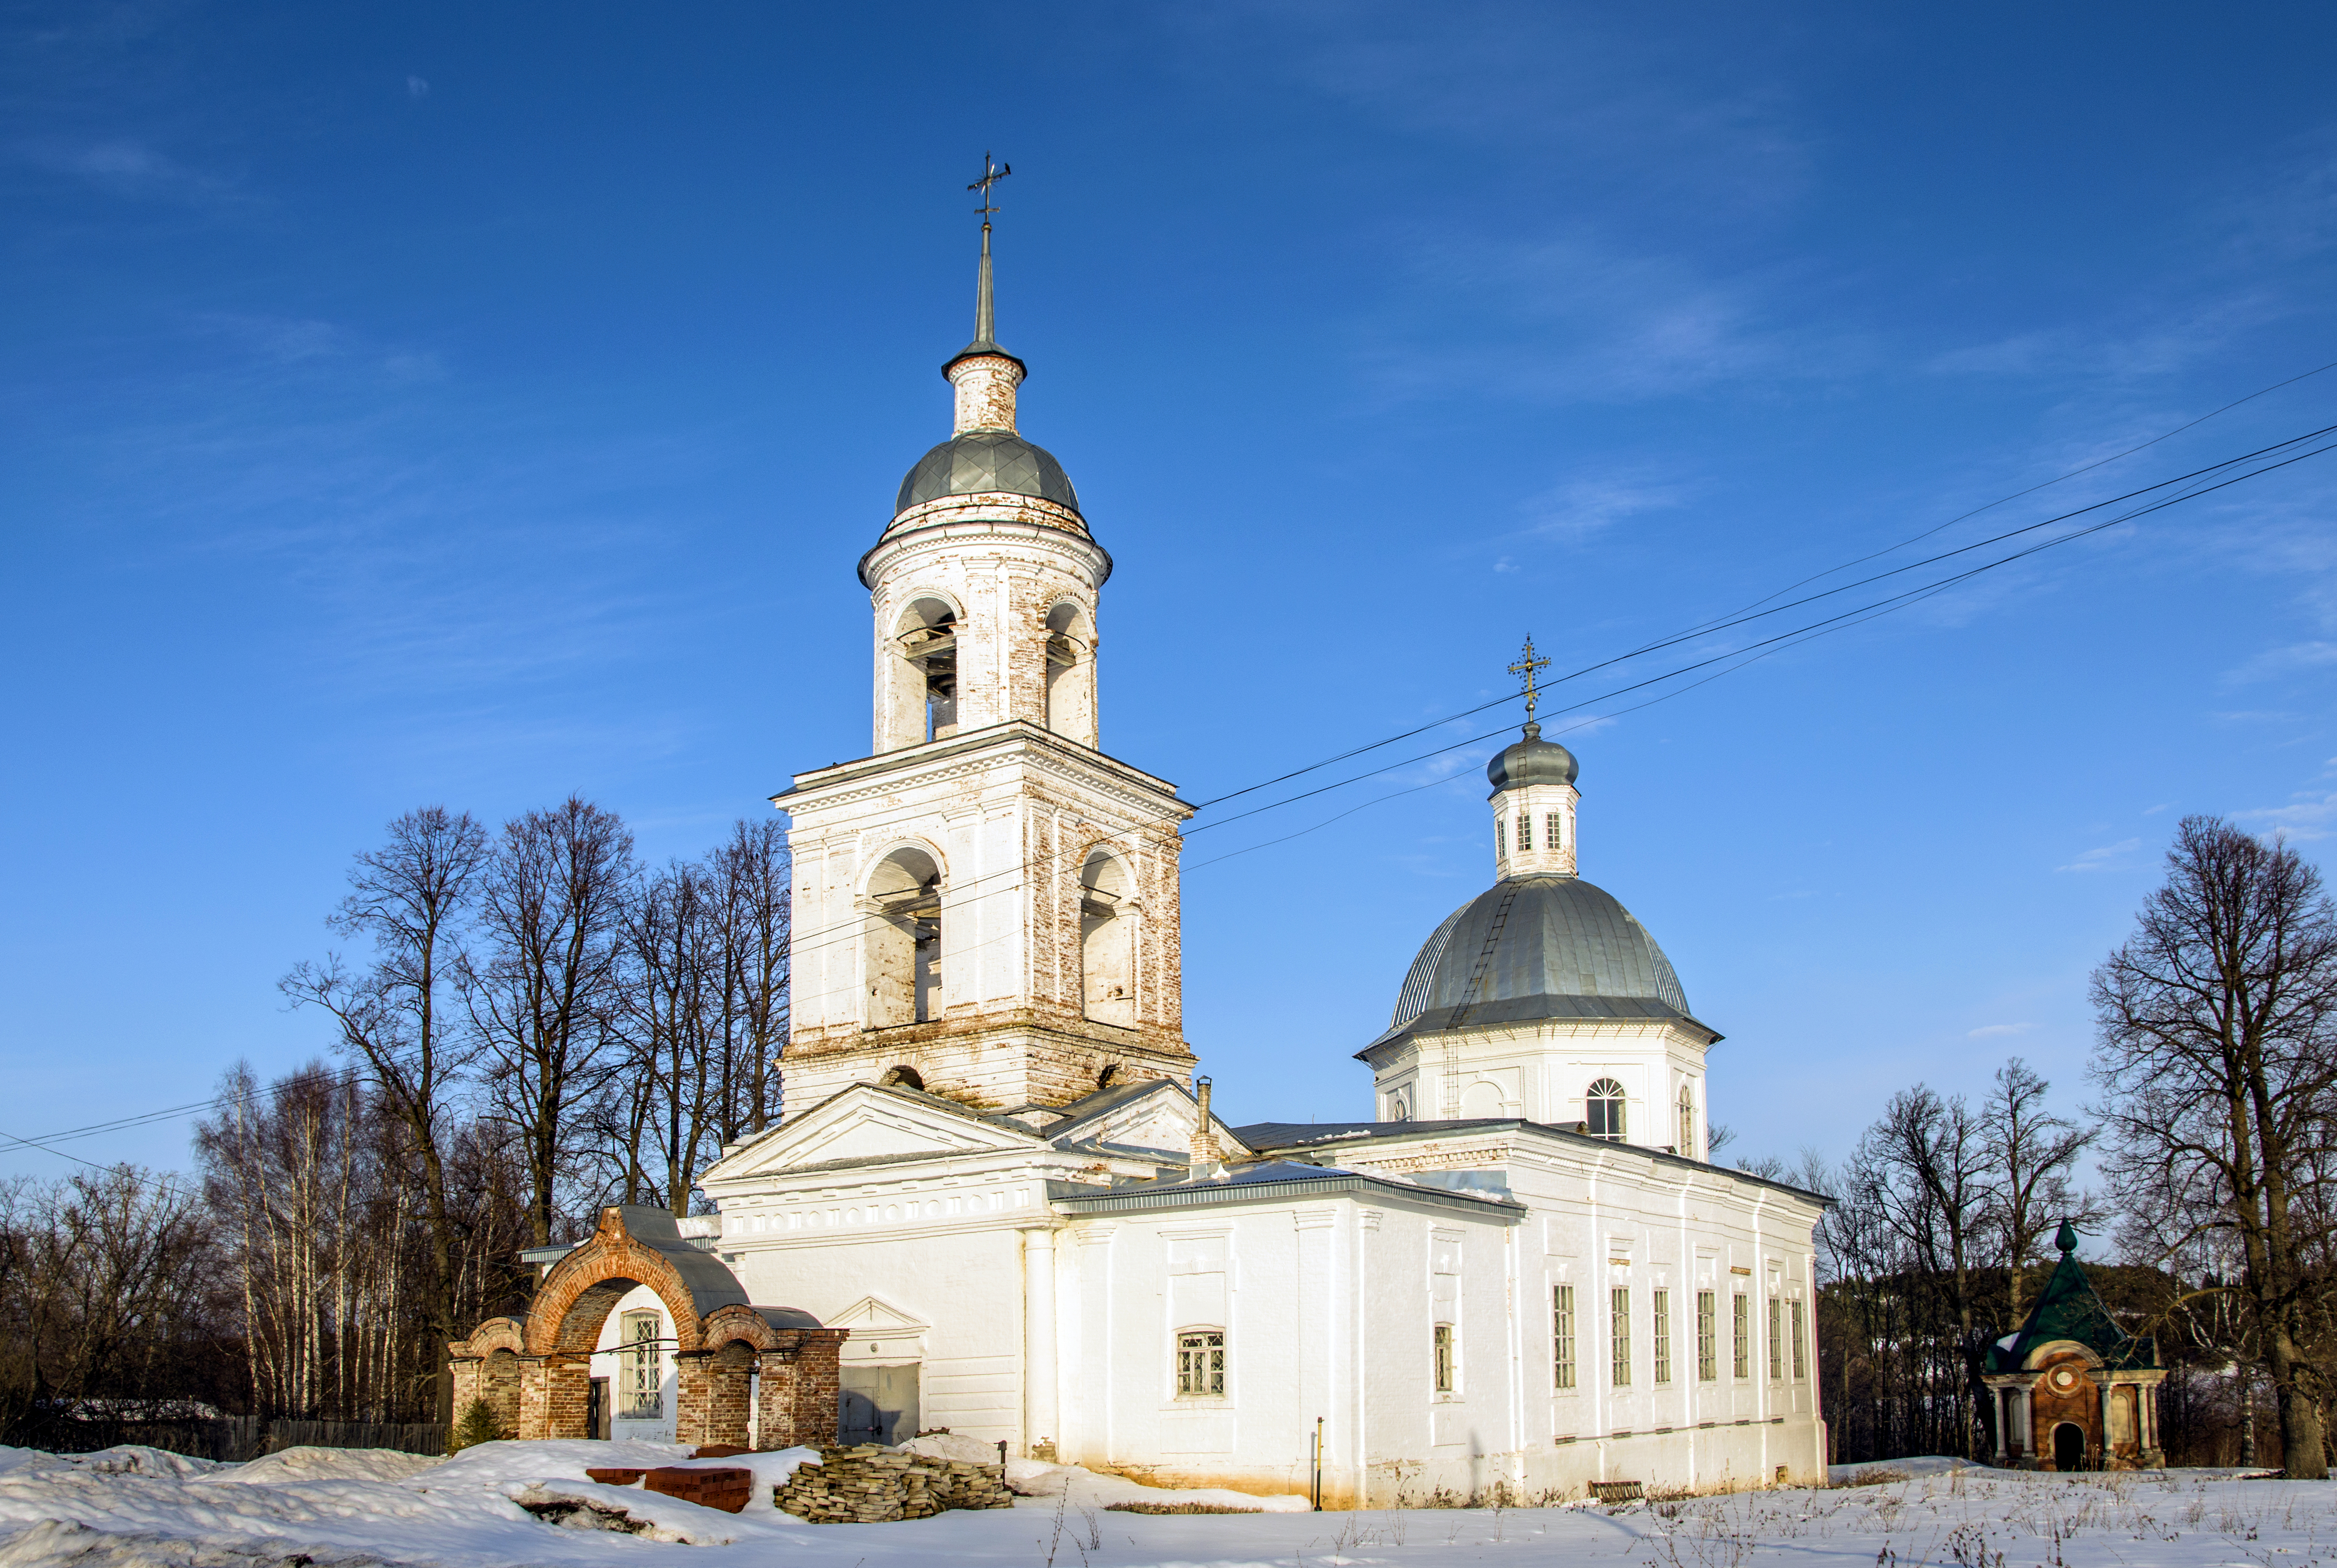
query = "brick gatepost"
x=554 y=1394
x=800 y=1387
x=712 y=1395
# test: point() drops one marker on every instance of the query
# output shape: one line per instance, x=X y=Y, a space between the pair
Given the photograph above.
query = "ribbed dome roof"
x=982 y=461
x=1539 y=947
x=1532 y=760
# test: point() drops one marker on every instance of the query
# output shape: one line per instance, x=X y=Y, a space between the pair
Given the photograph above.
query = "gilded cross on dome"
x=1526 y=666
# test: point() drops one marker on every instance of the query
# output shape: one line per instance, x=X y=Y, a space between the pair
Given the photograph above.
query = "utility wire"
x=1765 y=647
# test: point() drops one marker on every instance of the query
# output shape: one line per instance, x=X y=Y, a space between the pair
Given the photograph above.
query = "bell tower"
x=986 y=904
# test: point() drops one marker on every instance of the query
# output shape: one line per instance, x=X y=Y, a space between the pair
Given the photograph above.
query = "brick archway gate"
x=535 y=1373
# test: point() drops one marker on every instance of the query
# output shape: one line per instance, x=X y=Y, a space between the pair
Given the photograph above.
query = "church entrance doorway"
x=2069 y=1446
x=876 y=1405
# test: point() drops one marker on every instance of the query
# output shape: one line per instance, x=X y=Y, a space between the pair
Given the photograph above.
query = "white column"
x=1038 y=1336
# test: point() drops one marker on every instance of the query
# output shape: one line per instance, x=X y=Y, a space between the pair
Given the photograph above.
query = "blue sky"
x=473 y=404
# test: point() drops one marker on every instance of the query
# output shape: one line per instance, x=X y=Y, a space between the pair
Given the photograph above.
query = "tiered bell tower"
x=986 y=906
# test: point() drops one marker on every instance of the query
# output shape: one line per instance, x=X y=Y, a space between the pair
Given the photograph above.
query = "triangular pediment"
x=867 y=1123
x=1162 y=1119
x=872 y=1315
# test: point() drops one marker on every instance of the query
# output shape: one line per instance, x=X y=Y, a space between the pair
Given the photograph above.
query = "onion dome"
x=1532 y=760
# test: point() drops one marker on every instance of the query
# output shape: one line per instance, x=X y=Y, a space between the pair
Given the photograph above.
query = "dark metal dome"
x=983 y=461
x=1538 y=947
x=1532 y=760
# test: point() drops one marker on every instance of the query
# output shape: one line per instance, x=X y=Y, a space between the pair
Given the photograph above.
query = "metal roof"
x=1532 y=947
x=984 y=461
x=1277 y=1181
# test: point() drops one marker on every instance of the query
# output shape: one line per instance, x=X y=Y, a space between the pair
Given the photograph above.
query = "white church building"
x=1516 y=1271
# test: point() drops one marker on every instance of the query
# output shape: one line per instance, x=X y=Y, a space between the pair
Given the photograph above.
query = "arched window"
x=1399 y=1108
x=1604 y=1103
x=922 y=703
x=1106 y=942
x=1688 y=1121
x=1071 y=674
x=904 y=940
x=903 y=1076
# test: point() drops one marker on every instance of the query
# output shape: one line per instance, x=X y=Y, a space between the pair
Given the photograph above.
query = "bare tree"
x=750 y=874
x=2219 y=1078
x=541 y=987
x=409 y=899
x=673 y=1005
x=2032 y=1153
x=1923 y=1170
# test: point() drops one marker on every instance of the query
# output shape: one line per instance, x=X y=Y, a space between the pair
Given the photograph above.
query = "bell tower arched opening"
x=1107 y=941
x=921 y=674
x=903 y=958
x=1071 y=674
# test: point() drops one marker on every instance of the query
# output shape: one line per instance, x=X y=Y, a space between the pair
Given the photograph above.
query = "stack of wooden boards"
x=726 y=1488
x=868 y=1484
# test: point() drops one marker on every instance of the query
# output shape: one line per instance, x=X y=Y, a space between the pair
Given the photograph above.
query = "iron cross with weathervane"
x=1527 y=665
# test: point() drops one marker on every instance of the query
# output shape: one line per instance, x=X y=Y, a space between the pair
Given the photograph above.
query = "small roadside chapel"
x=2073 y=1390
x=741 y=1376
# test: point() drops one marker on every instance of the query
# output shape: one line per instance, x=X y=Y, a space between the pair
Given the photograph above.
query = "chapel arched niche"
x=920 y=668
x=902 y=957
x=1108 y=916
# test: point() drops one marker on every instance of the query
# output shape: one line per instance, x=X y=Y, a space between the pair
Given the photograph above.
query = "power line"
x=844 y=932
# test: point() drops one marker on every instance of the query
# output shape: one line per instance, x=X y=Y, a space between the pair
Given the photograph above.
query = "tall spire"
x=985 y=313
x=985 y=317
x=984 y=375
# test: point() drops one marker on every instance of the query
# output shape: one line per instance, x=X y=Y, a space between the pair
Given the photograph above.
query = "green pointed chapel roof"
x=2068 y=1309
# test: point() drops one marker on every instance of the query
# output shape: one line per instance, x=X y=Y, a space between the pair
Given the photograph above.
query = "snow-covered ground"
x=318 y=1508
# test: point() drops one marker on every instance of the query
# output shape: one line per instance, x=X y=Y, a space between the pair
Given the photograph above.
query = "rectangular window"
x=1741 y=1333
x=1201 y=1364
x=1662 y=1304
x=1620 y=1304
x=644 y=1378
x=1525 y=833
x=1445 y=1358
x=1801 y=1333
x=1502 y=836
x=1776 y=1339
x=1707 y=1336
x=1550 y=833
x=1561 y=1332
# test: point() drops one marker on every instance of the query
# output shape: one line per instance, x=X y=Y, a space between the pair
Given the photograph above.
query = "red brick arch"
x=582 y=1288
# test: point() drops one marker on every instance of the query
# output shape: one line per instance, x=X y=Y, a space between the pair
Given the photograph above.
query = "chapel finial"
x=1527 y=665
x=2066 y=1239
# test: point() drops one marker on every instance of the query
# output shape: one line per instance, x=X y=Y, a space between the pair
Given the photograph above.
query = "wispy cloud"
x=415 y=87
x=1578 y=508
x=2107 y=857
x=1991 y=1031
x=2303 y=819
x=131 y=168
x=2289 y=660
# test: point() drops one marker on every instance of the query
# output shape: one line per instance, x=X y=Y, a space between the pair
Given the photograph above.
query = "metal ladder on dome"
x=1476 y=982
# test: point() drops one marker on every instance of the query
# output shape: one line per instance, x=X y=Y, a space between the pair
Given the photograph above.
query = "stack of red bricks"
x=722 y=1487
